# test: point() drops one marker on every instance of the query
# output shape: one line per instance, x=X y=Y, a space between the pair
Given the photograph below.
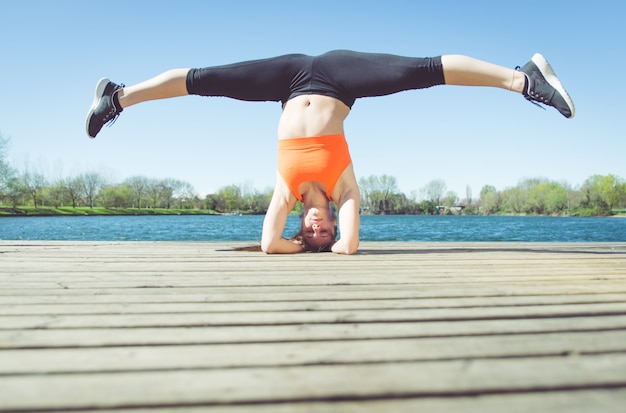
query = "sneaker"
x=103 y=109
x=544 y=87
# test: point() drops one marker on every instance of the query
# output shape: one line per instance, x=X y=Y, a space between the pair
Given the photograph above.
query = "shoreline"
x=21 y=212
x=24 y=212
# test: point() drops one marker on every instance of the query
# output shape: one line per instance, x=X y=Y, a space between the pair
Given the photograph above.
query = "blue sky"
x=53 y=53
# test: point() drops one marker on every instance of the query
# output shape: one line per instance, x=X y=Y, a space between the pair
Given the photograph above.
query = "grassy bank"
x=69 y=211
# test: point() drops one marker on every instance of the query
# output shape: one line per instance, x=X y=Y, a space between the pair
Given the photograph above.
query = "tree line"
x=598 y=195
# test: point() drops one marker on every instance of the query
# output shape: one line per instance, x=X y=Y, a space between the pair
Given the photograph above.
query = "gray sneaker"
x=544 y=87
x=103 y=109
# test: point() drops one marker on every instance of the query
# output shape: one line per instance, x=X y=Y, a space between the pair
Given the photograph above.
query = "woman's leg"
x=259 y=80
x=264 y=80
x=357 y=75
x=166 y=85
x=256 y=80
x=110 y=99
x=535 y=80
x=467 y=71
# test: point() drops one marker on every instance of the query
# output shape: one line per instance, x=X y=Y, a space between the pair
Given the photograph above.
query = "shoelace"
x=113 y=110
x=527 y=95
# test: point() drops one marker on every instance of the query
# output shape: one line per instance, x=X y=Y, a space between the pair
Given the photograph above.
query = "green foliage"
x=59 y=211
x=535 y=197
x=490 y=201
x=377 y=193
x=29 y=192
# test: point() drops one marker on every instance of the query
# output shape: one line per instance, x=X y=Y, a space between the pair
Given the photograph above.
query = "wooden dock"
x=399 y=327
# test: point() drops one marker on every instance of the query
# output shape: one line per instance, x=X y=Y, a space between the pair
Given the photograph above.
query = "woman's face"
x=318 y=227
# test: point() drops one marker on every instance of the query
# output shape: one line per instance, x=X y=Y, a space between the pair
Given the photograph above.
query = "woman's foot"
x=103 y=109
x=544 y=87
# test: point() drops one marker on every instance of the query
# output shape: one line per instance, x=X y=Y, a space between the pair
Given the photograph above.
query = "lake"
x=373 y=228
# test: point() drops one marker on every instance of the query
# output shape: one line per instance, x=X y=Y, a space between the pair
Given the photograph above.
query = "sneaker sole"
x=102 y=84
x=547 y=72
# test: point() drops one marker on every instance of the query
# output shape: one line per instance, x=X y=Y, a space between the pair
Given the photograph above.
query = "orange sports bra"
x=321 y=159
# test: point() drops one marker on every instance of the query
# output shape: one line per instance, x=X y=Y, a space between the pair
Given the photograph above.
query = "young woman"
x=317 y=94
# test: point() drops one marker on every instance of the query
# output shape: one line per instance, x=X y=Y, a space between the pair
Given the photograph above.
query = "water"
x=373 y=228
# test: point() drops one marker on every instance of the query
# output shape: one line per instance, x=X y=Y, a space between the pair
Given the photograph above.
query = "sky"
x=53 y=53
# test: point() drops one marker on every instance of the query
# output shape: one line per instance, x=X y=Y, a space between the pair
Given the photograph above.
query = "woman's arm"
x=349 y=204
x=272 y=241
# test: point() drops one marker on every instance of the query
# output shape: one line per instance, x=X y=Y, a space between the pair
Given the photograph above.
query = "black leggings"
x=341 y=74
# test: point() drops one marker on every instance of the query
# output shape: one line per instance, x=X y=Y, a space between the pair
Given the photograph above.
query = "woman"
x=317 y=93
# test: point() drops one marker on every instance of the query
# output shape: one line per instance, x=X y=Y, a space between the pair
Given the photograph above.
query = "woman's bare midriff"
x=312 y=115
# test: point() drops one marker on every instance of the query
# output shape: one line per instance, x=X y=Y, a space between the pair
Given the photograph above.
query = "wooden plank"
x=308 y=293
x=580 y=401
x=106 y=337
x=329 y=295
x=306 y=317
x=313 y=383
x=303 y=353
x=399 y=326
x=23 y=307
x=204 y=280
x=125 y=279
x=563 y=267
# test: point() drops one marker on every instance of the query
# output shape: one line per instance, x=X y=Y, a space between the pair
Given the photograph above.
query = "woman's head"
x=319 y=229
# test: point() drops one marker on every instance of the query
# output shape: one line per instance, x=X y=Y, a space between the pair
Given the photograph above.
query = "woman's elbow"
x=276 y=247
x=346 y=249
x=268 y=248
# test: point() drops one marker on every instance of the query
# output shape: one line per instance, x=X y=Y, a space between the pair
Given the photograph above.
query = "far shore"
x=8 y=212
x=98 y=211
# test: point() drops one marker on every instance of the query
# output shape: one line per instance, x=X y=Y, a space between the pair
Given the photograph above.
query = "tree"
x=254 y=201
x=468 y=195
x=184 y=192
x=592 y=198
x=513 y=200
x=157 y=192
x=56 y=194
x=377 y=192
x=116 y=196
x=230 y=197
x=428 y=207
x=401 y=204
x=486 y=189
x=92 y=183
x=259 y=202
x=450 y=199
x=435 y=190
x=169 y=186
x=138 y=186
x=489 y=200
x=611 y=189
x=15 y=193
x=7 y=173
x=73 y=187
x=367 y=187
x=32 y=182
x=553 y=197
